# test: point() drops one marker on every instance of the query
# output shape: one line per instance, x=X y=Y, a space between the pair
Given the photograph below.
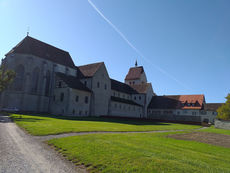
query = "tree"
x=6 y=77
x=224 y=110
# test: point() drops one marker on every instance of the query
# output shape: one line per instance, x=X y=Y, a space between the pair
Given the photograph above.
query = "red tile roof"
x=141 y=88
x=134 y=73
x=90 y=69
x=43 y=50
x=177 y=102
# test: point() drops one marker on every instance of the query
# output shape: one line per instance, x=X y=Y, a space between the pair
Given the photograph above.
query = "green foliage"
x=6 y=77
x=45 y=125
x=224 y=110
x=143 y=153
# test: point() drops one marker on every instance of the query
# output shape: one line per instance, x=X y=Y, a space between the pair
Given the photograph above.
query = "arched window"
x=47 y=83
x=35 y=79
x=19 y=78
x=62 y=97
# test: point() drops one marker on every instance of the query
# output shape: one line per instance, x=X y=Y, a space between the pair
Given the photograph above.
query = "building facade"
x=47 y=80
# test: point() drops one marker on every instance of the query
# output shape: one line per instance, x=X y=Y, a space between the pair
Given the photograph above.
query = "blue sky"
x=183 y=45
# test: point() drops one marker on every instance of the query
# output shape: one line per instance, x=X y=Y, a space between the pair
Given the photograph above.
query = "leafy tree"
x=224 y=110
x=6 y=77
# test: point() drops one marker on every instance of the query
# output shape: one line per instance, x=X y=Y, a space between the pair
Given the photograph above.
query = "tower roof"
x=134 y=73
x=43 y=50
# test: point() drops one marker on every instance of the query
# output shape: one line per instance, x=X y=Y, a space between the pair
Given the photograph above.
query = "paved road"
x=22 y=153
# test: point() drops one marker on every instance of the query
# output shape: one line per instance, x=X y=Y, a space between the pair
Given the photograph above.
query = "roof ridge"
x=91 y=64
x=45 y=43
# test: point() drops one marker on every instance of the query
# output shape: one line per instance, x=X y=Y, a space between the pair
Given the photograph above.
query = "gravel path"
x=22 y=153
x=48 y=137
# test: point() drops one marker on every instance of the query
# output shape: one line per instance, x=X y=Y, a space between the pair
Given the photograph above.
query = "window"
x=189 y=104
x=79 y=112
x=73 y=112
x=54 y=98
x=76 y=98
x=133 y=82
x=178 y=113
x=139 y=97
x=135 y=98
x=62 y=97
x=19 y=78
x=120 y=106
x=86 y=99
x=105 y=87
x=123 y=96
x=114 y=94
x=59 y=84
x=130 y=83
x=85 y=83
x=118 y=94
x=35 y=79
x=193 y=113
x=86 y=112
x=47 y=83
x=115 y=105
x=98 y=84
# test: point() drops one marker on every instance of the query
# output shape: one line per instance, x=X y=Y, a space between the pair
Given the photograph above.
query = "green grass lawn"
x=212 y=129
x=146 y=152
x=45 y=125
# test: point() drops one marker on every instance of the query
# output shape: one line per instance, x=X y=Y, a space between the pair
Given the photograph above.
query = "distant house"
x=47 y=80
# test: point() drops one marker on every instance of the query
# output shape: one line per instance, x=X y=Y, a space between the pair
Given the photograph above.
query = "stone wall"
x=221 y=124
x=32 y=90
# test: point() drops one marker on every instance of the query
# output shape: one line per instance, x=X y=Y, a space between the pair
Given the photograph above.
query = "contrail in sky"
x=133 y=47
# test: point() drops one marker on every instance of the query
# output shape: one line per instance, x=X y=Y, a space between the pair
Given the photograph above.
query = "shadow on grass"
x=129 y=121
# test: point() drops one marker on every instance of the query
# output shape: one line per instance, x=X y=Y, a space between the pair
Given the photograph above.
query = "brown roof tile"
x=212 y=106
x=90 y=69
x=43 y=50
x=122 y=87
x=134 y=73
x=72 y=82
x=141 y=88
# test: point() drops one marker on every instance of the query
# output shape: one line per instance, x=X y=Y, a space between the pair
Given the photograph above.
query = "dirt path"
x=205 y=137
x=20 y=152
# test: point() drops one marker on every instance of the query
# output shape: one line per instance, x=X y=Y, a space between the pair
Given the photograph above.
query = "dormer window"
x=189 y=104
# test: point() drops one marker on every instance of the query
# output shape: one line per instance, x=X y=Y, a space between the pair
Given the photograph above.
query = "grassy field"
x=147 y=152
x=212 y=129
x=45 y=125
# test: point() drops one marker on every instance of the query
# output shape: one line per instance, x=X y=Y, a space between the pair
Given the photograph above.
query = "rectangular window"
x=76 y=98
x=62 y=97
x=59 y=84
x=98 y=85
x=86 y=99
x=105 y=87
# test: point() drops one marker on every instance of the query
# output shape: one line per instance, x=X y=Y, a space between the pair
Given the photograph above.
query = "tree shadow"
x=120 y=120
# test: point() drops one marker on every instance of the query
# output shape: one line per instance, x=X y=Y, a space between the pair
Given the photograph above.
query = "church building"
x=48 y=81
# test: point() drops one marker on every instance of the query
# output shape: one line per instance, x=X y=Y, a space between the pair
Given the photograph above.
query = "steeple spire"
x=28 y=31
x=136 y=63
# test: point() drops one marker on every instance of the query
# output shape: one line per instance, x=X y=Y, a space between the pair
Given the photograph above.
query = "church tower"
x=136 y=75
